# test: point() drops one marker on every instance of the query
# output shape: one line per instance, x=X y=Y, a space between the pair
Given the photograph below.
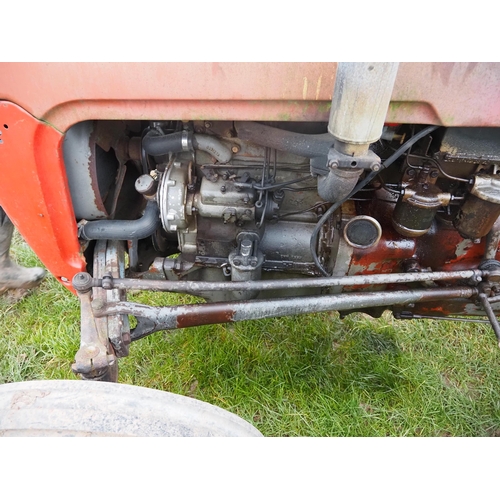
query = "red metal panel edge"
x=34 y=191
x=448 y=94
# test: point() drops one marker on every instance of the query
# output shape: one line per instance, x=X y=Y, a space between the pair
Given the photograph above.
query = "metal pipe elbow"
x=212 y=146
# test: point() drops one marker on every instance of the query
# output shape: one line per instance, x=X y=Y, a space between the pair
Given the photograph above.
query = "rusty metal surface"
x=378 y=279
x=151 y=319
x=109 y=260
x=492 y=241
x=441 y=249
x=102 y=339
x=91 y=360
x=451 y=94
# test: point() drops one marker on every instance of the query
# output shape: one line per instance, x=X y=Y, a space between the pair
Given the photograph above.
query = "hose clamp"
x=185 y=141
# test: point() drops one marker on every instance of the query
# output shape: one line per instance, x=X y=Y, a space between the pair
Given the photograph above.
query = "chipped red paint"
x=442 y=249
x=456 y=307
x=446 y=250
x=386 y=257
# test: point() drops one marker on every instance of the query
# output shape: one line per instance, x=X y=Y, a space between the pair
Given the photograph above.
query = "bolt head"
x=98 y=304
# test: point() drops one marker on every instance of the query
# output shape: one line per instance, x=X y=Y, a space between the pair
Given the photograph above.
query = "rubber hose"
x=307 y=145
x=123 y=229
x=159 y=145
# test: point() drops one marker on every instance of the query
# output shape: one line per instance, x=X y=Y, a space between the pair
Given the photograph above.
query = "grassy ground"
x=310 y=376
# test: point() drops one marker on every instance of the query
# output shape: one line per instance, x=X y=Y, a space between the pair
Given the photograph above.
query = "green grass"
x=313 y=375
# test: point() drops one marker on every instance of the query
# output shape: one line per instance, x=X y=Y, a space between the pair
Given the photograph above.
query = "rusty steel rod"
x=287 y=284
x=151 y=319
x=491 y=315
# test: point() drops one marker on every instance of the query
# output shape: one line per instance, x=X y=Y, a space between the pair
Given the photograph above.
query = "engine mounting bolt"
x=223 y=188
x=208 y=124
x=235 y=149
x=375 y=167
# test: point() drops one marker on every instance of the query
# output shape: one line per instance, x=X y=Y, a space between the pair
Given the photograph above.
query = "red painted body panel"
x=449 y=94
x=34 y=190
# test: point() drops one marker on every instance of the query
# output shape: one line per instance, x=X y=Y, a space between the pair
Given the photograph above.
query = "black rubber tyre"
x=85 y=408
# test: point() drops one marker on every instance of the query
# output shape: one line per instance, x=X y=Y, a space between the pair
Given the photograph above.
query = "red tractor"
x=265 y=189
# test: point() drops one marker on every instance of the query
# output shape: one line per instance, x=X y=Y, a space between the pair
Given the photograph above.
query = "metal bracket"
x=103 y=339
x=92 y=360
x=368 y=161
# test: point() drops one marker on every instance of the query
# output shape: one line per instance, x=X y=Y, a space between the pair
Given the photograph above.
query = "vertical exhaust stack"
x=359 y=105
x=360 y=102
